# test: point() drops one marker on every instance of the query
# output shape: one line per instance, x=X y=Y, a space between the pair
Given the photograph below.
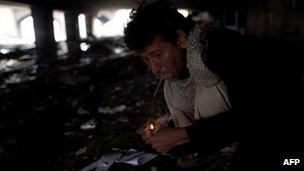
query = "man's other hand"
x=166 y=138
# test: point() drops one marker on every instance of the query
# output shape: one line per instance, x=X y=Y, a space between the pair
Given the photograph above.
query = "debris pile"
x=77 y=112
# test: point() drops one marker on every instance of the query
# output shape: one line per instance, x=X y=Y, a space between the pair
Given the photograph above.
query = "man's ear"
x=181 y=39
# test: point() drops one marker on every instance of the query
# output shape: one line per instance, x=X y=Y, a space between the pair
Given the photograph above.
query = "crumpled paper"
x=131 y=156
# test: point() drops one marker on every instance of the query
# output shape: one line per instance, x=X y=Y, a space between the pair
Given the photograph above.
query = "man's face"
x=164 y=58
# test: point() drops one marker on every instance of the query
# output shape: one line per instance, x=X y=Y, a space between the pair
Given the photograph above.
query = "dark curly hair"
x=159 y=18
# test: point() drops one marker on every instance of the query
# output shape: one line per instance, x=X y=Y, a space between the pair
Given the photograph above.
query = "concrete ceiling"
x=92 y=4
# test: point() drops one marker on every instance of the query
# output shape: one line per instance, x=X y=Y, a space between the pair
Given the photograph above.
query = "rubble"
x=131 y=156
x=123 y=119
x=81 y=151
x=113 y=92
x=112 y=110
x=82 y=111
x=91 y=124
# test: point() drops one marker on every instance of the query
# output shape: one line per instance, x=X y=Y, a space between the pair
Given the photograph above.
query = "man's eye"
x=157 y=55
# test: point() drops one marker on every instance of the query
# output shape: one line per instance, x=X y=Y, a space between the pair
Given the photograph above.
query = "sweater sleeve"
x=212 y=134
x=224 y=54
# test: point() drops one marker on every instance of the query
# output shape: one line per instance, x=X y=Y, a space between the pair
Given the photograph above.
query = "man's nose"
x=156 y=67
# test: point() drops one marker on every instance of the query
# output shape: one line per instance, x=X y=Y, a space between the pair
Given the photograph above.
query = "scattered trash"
x=14 y=78
x=131 y=156
x=84 y=46
x=10 y=64
x=124 y=119
x=104 y=163
x=25 y=57
x=85 y=61
x=136 y=158
x=78 y=92
x=18 y=78
x=91 y=124
x=118 y=50
x=70 y=134
x=118 y=88
x=82 y=111
x=81 y=151
x=112 y=110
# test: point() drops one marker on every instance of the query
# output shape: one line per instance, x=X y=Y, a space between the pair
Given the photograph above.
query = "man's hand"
x=166 y=138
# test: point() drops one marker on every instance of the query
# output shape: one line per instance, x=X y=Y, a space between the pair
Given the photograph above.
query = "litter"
x=131 y=156
x=123 y=119
x=82 y=111
x=81 y=151
x=112 y=110
x=91 y=124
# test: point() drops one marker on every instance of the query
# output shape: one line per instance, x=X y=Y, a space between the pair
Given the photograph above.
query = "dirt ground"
x=67 y=118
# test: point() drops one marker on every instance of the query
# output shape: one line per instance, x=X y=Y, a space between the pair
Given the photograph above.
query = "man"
x=196 y=90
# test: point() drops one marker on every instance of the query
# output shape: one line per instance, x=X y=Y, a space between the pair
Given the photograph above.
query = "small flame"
x=151 y=126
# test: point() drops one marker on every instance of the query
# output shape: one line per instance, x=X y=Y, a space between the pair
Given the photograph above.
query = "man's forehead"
x=153 y=46
x=149 y=50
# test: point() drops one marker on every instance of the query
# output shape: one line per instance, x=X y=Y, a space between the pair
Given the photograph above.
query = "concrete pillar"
x=44 y=33
x=89 y=24
x=72 y=31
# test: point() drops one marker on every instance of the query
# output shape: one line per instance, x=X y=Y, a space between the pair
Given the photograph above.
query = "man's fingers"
x=155 y=146
x=161 y=148
x=147 y=140
x=160 y=145
x=146 y=136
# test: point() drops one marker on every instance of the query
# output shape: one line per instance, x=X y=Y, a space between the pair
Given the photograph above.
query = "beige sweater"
x=201 y=95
